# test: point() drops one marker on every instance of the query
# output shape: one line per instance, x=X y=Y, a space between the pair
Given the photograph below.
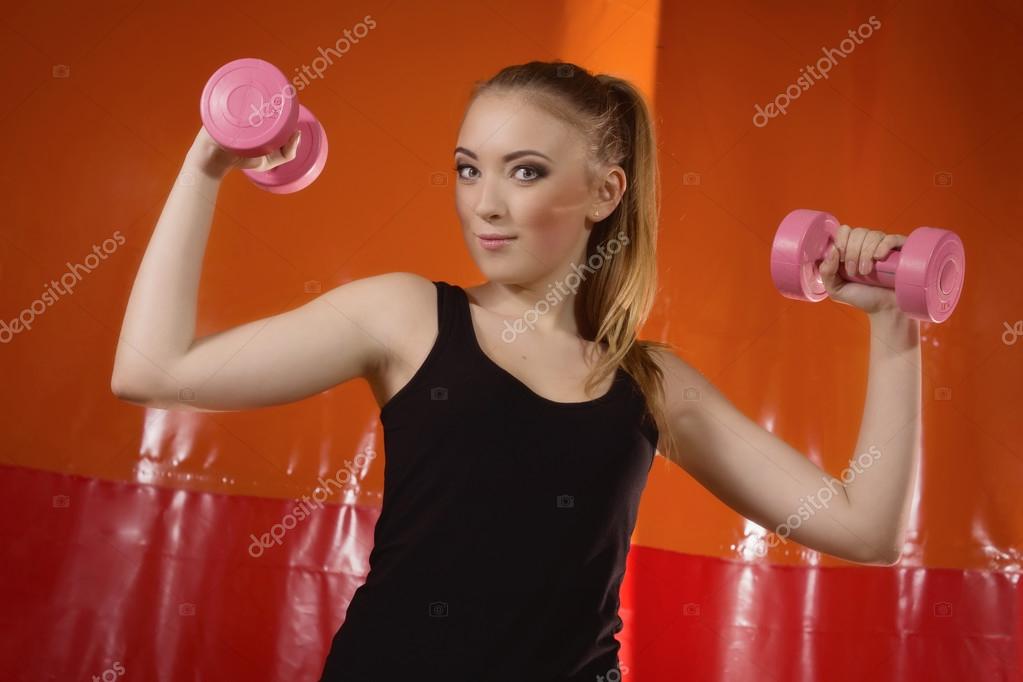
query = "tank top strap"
x=453 y=319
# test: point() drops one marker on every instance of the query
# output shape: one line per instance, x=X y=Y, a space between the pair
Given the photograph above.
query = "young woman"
x=521 y=416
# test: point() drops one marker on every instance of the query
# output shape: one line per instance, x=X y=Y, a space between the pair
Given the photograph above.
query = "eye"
x=537 y=172
x=460 y=167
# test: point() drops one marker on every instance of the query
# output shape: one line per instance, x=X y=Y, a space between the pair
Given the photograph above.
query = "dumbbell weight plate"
x=930 y=275
x=799 y=245
x=245 y=107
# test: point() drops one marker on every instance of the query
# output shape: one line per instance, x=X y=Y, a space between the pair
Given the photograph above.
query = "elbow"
x=153 y=395
x=888 y=551
x=882 y=554
x=889 y=558
x=128 y=390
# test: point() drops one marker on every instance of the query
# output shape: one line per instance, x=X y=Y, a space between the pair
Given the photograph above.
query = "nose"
x=489 y=206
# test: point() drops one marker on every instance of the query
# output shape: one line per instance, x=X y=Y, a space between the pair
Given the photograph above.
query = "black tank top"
x=504 y=528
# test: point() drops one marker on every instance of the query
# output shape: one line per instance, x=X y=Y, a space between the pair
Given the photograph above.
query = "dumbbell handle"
x=882 y=274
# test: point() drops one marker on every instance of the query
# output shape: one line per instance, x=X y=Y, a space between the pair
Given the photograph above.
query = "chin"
x=499 y=275
x=503 y=273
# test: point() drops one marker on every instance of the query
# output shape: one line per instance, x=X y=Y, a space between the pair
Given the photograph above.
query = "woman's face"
x=521 y=173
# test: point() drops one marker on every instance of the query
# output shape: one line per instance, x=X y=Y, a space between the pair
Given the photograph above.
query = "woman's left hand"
x=856 y=250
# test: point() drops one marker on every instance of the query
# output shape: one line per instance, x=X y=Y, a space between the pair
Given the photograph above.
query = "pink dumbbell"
x=926 y=271
x=249 y=107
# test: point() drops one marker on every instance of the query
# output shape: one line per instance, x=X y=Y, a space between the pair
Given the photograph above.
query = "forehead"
x=498 y=123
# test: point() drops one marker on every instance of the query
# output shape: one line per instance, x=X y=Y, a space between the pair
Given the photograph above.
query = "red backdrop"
x=126 y=531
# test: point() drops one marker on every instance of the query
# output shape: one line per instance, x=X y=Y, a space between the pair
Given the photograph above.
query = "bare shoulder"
x=669 y=361
x=399 y=312
x=390 y=306
x=385 y=293
x=684 y=384
x=693 y=408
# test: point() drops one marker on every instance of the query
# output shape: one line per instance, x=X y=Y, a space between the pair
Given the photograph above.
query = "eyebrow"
x=507 y=157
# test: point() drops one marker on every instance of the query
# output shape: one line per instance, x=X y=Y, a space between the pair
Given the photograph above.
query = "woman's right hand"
x=218 y=162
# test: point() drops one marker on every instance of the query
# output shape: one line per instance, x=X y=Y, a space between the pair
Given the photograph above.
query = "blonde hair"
x=616 y=299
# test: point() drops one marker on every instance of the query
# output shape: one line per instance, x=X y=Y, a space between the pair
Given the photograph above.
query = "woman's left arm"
x=767 y=481
x=880 y=492
x=881 y=484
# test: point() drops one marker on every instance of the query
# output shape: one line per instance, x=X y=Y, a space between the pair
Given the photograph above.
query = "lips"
x=494 y=242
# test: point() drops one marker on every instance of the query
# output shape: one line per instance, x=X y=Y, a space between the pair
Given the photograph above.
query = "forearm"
x=159 y=321
x=884 y=466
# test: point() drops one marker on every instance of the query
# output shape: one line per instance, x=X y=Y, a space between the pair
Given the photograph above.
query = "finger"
x=260 y=163
x=291 y=149
x=285 y=153
x=852 y=250
x=828 y=268
x=251 y=163
x=887 y=244
x=273 y=159
x=870 y=243
x=842 y=238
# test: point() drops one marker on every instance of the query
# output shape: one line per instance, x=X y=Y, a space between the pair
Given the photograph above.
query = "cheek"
x=550 y=223
x=463 y=209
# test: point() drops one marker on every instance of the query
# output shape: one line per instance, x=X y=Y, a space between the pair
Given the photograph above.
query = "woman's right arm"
x=338 y=336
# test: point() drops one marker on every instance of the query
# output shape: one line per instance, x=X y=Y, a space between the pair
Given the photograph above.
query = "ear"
x=611 y=184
